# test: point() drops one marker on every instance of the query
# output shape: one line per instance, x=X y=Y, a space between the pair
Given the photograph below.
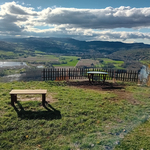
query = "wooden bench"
x=14 y=93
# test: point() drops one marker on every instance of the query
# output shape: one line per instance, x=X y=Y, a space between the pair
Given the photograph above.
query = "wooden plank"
x=48 y=73
x=28 y=92
x=79 y=73
x=69 y=73
x=73 y=73
x=130 y=78
x=64 y=73
x=43 y=74
x=51 y=74
x=123 y=74
x=135 y=76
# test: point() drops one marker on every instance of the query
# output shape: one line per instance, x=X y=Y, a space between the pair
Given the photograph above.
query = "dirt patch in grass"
x=115 y=88
x=107 y=86
x=127 y=96
x=86 y=62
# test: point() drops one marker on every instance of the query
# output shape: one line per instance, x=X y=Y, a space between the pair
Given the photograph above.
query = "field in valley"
x=36 y=58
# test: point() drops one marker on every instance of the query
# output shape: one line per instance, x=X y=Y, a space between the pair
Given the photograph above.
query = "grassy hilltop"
x=90 y=117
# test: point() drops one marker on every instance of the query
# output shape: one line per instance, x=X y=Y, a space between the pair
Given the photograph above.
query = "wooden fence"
x=71 y=73
x=67 y=74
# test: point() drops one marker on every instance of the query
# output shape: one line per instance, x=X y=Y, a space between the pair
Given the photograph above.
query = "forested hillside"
x=132 y=54
x=68 y=45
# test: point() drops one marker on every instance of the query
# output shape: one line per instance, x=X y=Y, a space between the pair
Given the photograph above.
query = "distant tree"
x=101 y=61
x=62 y=58
x=64 y=62
x=92 y=65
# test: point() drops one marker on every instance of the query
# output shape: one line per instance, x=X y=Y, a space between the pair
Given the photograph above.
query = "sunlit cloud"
x=84 y=24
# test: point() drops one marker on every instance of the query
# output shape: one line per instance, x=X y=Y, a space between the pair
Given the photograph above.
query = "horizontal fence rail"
x=81 y=73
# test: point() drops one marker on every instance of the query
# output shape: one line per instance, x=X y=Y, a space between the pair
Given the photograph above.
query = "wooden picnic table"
x=14 y=93
x=92 y=73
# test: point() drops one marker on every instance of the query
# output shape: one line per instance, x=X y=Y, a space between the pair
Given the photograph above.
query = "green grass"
x=51 y=57
x=69 y=57
x=107 y=60
x=39 y=52
x=46 y=58
x=6 y=53
x=139 y=138
x=145 y=62
x=71 y=61
x=75 y=118
x=117 y=64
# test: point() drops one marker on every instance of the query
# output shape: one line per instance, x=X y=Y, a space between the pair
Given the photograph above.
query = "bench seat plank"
x=28 y=92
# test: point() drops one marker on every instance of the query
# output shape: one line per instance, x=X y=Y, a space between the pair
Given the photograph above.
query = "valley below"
x=18 y=56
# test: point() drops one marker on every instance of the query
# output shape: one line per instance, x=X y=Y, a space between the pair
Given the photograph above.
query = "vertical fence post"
x=43 y=74
x=135 y=76
x=79 y=73
x=114 y=78
x=64 y=73
x=51 y=74
x=75 y=73
x=69 y=73
x=125 y=75
x=48 y=73
x=130 y=75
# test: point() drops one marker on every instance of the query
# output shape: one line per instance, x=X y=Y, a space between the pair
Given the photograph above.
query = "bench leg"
x=104 y=78
x=90 y=76
x=13 y=99
x=43 y=99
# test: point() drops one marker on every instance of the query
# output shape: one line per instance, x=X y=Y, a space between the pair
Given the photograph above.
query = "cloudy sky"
x=104 y=20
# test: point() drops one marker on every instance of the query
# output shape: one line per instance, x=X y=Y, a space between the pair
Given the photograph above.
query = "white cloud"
x=108 y=18
x=40 y=7
x=16 y=9
x=84 y=24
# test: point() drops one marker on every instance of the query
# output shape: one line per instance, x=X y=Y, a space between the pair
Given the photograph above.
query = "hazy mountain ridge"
x=68 y=46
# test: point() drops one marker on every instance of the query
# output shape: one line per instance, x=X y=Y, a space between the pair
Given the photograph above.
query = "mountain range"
x=128 y=52
x=68 y=45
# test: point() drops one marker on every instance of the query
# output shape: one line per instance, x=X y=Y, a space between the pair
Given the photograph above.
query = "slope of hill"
x=131 y=53
x=68 y=45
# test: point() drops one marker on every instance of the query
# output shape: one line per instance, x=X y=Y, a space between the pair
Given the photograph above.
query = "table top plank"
x=28 y=92
x=96 y=72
